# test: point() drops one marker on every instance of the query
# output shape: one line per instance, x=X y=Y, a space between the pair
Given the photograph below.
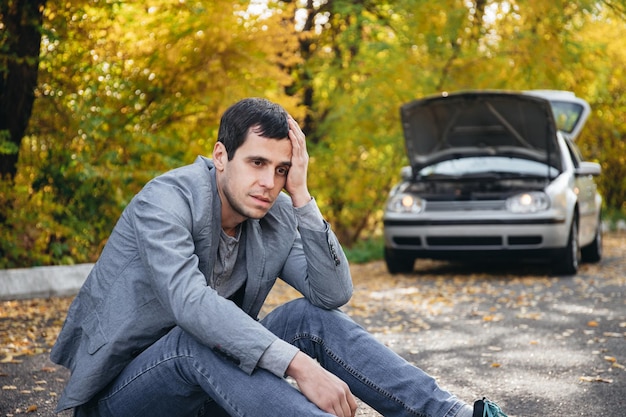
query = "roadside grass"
x=366 y=250
x=614 y=219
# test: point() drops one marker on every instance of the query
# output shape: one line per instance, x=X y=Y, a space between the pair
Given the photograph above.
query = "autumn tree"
x=20 y=38
x=126 y=92
x=365 y=59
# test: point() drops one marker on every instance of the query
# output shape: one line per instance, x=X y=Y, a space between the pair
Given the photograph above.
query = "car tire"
x=567 y=260
x=593 y=252
x=398 y=263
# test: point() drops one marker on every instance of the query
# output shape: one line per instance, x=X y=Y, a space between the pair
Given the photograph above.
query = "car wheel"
x=398 y=263
x=593 y=251
x=566 y=262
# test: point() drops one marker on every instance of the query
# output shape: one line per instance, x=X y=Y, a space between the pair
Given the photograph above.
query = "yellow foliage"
x=129 y=90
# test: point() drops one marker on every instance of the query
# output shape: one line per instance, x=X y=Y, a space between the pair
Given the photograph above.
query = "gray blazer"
x=153 y=272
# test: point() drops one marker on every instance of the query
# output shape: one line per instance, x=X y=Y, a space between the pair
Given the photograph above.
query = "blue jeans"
x=177 y=376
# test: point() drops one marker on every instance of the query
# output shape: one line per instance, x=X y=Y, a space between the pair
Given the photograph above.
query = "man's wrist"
x=301 y=199
x=298 y=365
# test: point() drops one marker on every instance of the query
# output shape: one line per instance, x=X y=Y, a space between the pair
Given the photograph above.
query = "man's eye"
x=282 y=171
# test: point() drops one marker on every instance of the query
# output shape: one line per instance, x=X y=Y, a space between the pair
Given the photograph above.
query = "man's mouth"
x=262 y=199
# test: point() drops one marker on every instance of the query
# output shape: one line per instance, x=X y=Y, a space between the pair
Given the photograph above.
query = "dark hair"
x=268 y=119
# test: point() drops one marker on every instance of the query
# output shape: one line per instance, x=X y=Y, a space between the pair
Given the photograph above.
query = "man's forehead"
x=265 y=148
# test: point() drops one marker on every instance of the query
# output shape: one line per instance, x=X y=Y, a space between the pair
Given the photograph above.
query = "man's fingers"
x=352 y=404
x=347 y=410
x=346 y=401
x=294 y=125
x=295 y=133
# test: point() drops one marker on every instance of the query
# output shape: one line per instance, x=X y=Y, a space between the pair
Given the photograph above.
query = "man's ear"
x=220 y=156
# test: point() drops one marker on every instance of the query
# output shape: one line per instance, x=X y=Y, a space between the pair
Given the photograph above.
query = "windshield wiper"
x=479 y=175
x=435 y=177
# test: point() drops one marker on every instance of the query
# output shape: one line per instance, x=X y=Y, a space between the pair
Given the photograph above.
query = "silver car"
x=494 y=174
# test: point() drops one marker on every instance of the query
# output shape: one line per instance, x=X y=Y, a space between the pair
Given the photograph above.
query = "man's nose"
x=267 y=178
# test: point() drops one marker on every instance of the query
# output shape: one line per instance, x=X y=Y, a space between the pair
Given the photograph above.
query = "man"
x=166 y=323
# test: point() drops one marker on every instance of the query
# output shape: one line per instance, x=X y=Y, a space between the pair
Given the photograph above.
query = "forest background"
x=99 y=96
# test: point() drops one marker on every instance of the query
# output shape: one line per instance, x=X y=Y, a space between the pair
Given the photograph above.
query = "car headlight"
x=405 y=203
x=528 y=202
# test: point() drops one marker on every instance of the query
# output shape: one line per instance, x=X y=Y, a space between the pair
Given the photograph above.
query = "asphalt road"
x=536 y=344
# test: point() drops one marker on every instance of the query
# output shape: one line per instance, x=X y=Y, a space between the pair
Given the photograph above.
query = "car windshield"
x=566 y=115
x=476 y=166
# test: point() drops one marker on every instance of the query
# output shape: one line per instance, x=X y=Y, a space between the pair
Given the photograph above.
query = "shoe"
x=486 y=408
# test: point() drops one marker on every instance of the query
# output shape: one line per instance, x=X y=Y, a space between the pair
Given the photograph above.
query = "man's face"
x=250 y=182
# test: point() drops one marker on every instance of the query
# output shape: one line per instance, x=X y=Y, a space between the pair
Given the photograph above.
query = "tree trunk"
x=19 y=63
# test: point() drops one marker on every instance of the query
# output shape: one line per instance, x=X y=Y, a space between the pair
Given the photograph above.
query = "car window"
x=566 y=115
x=487 y=164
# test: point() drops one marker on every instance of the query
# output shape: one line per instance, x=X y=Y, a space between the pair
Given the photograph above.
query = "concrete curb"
x=42 y=282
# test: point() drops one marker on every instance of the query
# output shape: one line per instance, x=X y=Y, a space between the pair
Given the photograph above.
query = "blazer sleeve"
x=317 y=265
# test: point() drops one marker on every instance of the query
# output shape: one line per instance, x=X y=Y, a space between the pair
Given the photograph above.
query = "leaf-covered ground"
x=537 y=344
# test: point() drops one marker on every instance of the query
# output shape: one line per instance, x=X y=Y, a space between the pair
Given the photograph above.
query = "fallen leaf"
x=494 y=317
x=595 y=379
x=530 y=316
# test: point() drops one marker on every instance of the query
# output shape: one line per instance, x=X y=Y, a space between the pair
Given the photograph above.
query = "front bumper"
x=439 y=237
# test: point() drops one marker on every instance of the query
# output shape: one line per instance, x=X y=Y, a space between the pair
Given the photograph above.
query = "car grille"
x=467 y=205
x=464 y=241
x=468 y=241
x=408 y=241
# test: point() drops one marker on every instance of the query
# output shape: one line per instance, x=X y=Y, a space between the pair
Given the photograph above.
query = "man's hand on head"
x=296 y=184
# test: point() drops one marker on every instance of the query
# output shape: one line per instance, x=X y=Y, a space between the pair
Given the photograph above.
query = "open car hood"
x=474 y=123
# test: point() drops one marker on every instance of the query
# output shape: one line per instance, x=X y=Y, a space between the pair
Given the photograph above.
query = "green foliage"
x=366 y=250
x=611 y=217
x=129 y=90
x=6 y=146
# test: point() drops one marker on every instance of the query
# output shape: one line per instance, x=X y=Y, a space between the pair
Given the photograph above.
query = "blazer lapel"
x=207 y=240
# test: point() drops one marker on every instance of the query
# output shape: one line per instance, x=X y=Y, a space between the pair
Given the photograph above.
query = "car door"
x=586 y=189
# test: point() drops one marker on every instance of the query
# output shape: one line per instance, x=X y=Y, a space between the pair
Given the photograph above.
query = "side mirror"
x=589 y=168
x=406 y=173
